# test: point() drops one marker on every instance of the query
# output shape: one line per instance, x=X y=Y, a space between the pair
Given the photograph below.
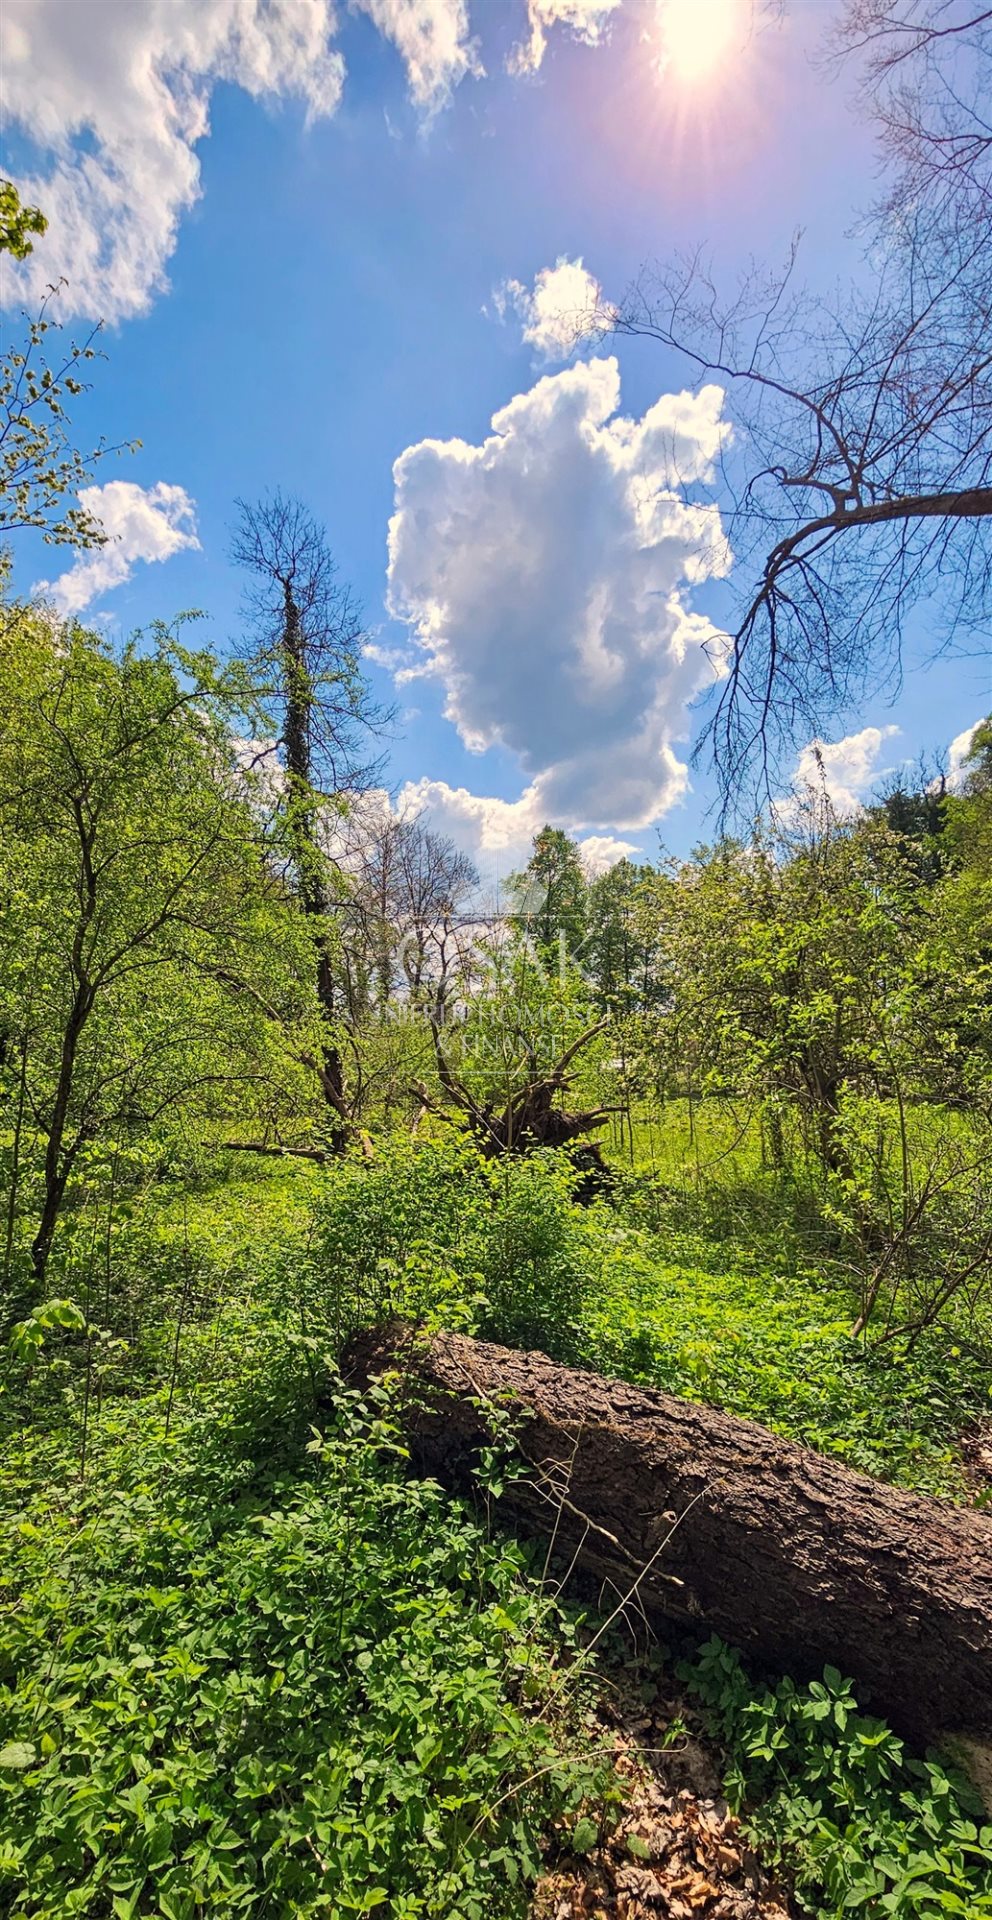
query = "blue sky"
x=303 y=295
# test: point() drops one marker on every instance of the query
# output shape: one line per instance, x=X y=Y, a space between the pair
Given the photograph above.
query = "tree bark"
x=723 y=1525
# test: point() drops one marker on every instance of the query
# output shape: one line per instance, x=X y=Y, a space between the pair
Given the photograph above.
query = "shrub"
x=534 y=1257
x=435 y=1232
x=395 y=1236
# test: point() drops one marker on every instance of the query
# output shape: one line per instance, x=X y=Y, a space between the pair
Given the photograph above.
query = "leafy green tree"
x=954 y=1040
x=548 y=899
x=149 y=953
x=917 y=813
x=617 y=956
x=781 y=962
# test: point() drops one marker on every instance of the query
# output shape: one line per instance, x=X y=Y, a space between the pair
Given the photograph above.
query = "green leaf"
x=17 y=1754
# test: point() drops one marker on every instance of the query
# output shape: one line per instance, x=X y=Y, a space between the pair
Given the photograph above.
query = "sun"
x=698 y=37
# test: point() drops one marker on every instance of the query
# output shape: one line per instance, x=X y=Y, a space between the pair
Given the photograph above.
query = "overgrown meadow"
x=252 y=1663
x=274 y=1068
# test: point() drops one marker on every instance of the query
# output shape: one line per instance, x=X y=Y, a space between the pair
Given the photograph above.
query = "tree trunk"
x=58 y=1165
x=531 y=1116
x=298 y=695
x=724 y=1526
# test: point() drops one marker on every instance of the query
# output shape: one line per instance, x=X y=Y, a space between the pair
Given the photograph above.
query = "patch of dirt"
x=976 y=1452
x=675 y=1850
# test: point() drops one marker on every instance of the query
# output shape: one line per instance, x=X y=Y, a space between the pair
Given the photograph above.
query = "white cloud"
x=543 y=575
x=490 y=830
x=141 y=524
x=433 y=38
x=957 y=754
x=498 y=834
x=116 y=94
x=559 y=312
x=601 y=851
x=586 y=19
x=841 y=771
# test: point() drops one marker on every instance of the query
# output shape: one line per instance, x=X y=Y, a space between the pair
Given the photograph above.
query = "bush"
x=397 y=1235
x=535 y=1258
x=435 y=1232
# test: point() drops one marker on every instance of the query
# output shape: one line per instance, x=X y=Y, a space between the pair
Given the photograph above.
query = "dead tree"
x=531 y=1116
x=305 y=661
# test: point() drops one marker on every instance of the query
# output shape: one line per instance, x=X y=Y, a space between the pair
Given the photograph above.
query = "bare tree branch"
x=860 y=478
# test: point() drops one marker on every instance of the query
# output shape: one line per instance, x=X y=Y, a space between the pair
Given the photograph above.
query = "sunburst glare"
x=699 y=36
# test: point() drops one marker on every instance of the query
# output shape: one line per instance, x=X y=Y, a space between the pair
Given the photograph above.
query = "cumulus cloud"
x=601 y=851
x=957 y=754
x=544 y=577
x=118 y=96
x=498 y=834
x=495 y=832
x=141 y=523
x=562 y=308
x=840 y=771
x=586 y=19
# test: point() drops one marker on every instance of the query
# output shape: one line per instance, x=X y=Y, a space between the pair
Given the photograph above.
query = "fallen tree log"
x=722 y=1525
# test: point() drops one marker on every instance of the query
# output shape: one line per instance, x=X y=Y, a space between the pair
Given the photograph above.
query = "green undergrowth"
x=711 y=1322
x=644 y=1288
x=761 y=1331
x=249 y=1664
x=830 y=1794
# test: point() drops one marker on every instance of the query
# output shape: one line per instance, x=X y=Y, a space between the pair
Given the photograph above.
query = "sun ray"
x=699 y=37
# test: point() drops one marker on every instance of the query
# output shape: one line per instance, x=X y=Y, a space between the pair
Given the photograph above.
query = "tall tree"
x=304 y=657
x=548 y=899
x=616 y=955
